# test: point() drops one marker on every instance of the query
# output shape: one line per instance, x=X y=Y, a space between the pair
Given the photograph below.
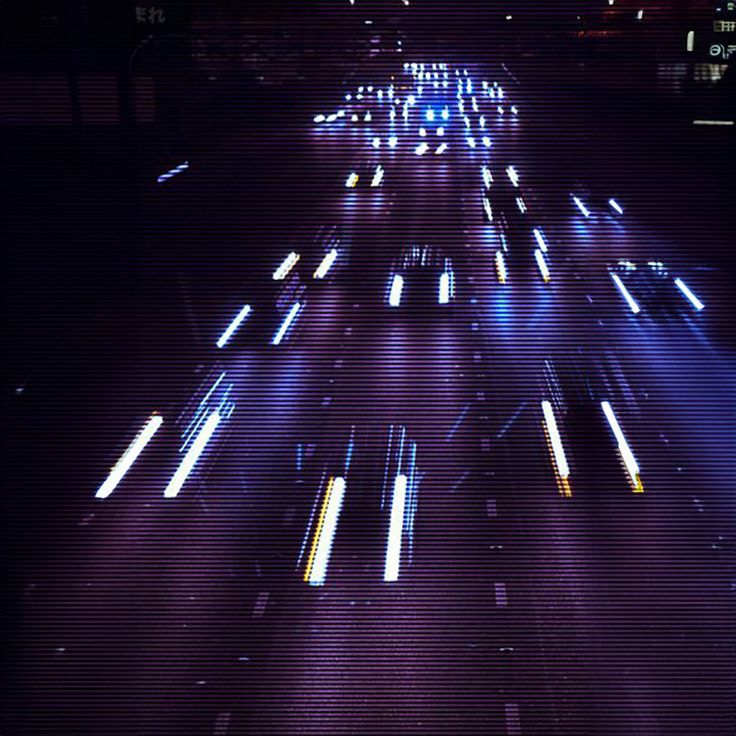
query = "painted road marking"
x=261 y=602
x=222 y=724
x=513 y=722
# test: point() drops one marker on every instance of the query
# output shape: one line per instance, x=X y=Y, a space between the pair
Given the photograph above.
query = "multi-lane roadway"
x=452 y=452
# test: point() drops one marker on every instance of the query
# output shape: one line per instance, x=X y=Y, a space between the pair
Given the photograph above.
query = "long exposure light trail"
x=130 y=455
x=192 y=456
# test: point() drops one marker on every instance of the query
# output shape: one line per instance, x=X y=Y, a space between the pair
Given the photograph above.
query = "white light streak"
x=317 y=572
x=540 y=240
x=633 y=306
x=192 y=455
x=632 y=467
x=513 y=175
x=616 y=206
x=581 y=206
x=173 y=172
x=712 y=122
x=421 y=149
x=488 y=209
x=326 y=264
x=393 y=547
x=290 y=317
x=288 y=263
x=123 y=465
x=689 y=295
x=441 y=149
x=377 y=176
x=352 y=180
x=487 y=177
x=233 y=326
x=553 y=432
x=501 y=267
x=542 y=265
x=397 y=286
x=444 y=295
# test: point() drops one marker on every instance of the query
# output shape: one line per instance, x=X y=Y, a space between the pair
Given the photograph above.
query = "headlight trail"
x=559 y=459
x=633 y=306
x=286 y=324
x=487 y=178
x=444 y=293
x=542 y=265
x=397 y=286
x=689 y=295
x=396 y=524
x=513 y=175
x=541 y=242
x=501 y=267
x=288 y=263
x=233 y=326
x=192 y=455
x=123 y=465
x=173 y=172
x=581 y=206
x=629 y=461
x=377 y=176
x=326 y=264
x=315 y=571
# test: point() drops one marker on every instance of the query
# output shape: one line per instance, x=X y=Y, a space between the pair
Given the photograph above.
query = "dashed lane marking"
x=260 y=606
x=502 y=600
x=513 y=721
x=222 y=724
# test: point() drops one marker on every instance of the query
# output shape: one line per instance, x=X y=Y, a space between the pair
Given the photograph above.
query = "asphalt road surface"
x=355 y=516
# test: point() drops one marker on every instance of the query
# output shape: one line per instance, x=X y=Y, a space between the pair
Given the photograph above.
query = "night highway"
x=369 y=370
